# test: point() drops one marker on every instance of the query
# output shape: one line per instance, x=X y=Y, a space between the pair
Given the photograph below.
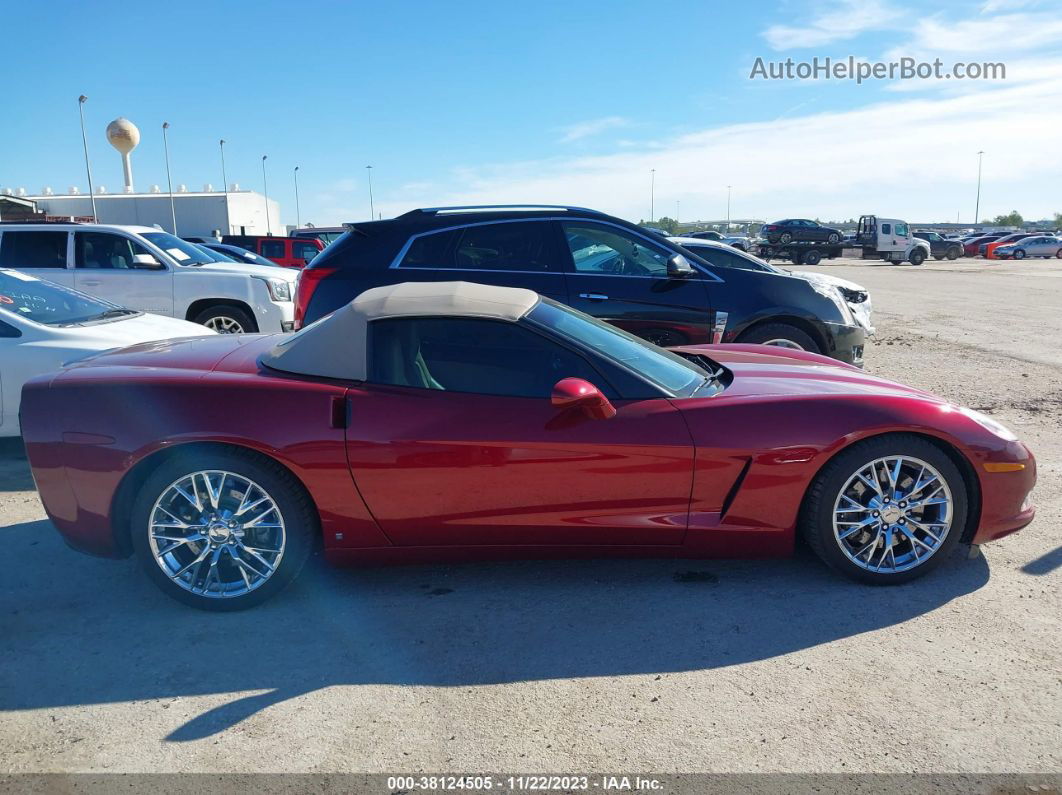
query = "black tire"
x=663 y=337
x=917 y=257
x=812 y=257
x=785 y=238
x=299 y=516
x=218 y=316
x=768 y=333
x=833 y=238
x=938 y=257
x=1058 y=254
x=1019 y=253
x=954 y=253
x=816 y=517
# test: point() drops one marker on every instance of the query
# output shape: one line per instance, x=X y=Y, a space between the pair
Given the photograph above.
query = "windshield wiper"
x=112 y=313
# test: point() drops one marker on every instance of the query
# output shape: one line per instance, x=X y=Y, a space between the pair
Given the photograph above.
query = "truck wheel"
x=225 y=319
x=953 y=253
x=812 y=257
x=833 y=239
x=917 y=257
x=781 y=334
x=785 y=238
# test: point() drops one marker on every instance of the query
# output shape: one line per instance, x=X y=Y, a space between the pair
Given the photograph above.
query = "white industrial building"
x=235 y=212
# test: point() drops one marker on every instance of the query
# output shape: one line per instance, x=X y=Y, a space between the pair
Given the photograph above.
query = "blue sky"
x=547 y=101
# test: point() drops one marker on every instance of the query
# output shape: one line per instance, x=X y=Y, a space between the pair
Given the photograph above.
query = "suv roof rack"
x=50 y=220
x=501 y=208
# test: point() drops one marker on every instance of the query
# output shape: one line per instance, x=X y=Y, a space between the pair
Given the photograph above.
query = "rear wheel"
x=226 y=319
x=812 y=257
x=953 y=253
x=938 y=257
x=222 y=530
x=782 y=335
x=833 y=238
x=886 y=510
x=785 y=238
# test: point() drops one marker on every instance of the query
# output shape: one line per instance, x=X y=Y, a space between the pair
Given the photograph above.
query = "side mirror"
x=146 y=262
x=678 y=267
x=571 y=393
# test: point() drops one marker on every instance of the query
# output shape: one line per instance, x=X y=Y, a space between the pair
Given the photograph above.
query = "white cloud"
x=910 y=158
x=838 y=21
x=585 y=129
x=991 y=37
x=995 y=6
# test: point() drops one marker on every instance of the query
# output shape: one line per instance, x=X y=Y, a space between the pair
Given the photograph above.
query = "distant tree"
x=669 y=225
x=1013 y=218
x=1058 y=220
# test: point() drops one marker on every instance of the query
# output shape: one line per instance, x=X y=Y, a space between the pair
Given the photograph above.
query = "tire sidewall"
x=818 y=517
x=300 y=523
x=246 y=322
x=770 y=331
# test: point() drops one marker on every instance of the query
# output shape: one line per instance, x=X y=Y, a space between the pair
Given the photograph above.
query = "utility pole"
x=88 y=168
x=225 y=188
x=169 y=179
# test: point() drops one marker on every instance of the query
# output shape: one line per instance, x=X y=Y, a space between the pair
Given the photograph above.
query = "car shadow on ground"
x=14 y=469
x=82 y=630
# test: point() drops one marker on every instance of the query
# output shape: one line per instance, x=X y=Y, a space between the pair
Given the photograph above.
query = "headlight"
x=279 y=289
x=990 y=425
x=831 y=292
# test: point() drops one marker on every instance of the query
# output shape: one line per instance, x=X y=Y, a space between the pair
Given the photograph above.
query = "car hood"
x=262 y=271
x=764 y=371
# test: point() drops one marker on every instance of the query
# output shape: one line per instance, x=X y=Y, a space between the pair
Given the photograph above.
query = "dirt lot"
x=609 y=666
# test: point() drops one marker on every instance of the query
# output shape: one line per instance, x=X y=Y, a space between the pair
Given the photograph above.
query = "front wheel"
x=833 y=238
x=785 y=238
x=954 y=253
x=1019 y=254
x=917 y=257
x=781 y=335
x=225 y=319
x=222 y=530
x=886 y=510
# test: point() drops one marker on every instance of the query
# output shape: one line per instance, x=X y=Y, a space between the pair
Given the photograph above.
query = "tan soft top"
x=335 y=346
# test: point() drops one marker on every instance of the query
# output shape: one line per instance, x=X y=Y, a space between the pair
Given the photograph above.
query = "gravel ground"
x=613 y=666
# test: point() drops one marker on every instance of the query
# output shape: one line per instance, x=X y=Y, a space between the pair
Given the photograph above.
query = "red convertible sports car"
x=444 y=421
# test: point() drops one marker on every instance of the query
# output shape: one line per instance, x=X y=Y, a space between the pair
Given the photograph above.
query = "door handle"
x=594 y=296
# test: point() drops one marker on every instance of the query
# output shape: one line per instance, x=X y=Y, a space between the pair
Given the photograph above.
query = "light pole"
x=298 y=215
x=372 y=210
x=977 y=207
x=88 y=168
x=678 y=210
x=225 y=187
x=265 y=189
x=169 y=180
x=652 y=193
x=728 y=209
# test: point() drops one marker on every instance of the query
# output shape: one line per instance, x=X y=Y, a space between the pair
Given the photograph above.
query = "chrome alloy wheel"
x=784 y=343
x=216 y=534
x=893 y=514
x=224 y=325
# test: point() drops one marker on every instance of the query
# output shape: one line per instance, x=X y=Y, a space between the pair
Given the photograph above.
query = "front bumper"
x=275 y=316
x=1006 y=496
x=845 y=343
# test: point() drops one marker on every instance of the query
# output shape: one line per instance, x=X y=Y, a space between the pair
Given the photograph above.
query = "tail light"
x=309 y=279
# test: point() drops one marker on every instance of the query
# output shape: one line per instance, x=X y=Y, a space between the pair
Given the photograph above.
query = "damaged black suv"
x=599 y=264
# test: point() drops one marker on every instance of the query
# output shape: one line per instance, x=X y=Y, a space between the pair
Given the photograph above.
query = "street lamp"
x=265 y=189
x=169 y=180
x=298 y=215
x=652 y=193
x=372 y=210
x=728 y=209
x=977 y=207
x=225 y=187
x=88 y=168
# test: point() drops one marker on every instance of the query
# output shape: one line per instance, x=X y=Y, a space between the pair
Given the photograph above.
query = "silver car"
x=1036 y=246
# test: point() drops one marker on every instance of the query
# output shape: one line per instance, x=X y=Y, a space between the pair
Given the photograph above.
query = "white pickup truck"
x=150 y=270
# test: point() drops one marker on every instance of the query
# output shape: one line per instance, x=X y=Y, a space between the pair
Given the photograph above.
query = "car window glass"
x=608 y=249
x=105 y=251
x=45 y=302
x=486 y=357
x=901 y=230
x=33 y=249
x=430 y=251
x=521 y=246
x=886 y=229
x=305 y=251
x=726 y=259
x=273 y=249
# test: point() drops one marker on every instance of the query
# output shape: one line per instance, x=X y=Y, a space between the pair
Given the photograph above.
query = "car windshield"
x=51 y=304
x=663 y=368
x=215 y=256
x=181 y=250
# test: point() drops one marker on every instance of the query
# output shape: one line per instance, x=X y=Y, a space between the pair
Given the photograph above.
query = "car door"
x=121 y=270
x=621 y=276
x=43 y=253
x=453 y=440
x=502 y=253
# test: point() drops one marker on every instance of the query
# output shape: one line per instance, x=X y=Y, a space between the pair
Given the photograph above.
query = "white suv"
x=144 y=268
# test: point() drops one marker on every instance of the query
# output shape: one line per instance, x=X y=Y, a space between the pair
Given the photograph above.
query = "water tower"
x=124 y=136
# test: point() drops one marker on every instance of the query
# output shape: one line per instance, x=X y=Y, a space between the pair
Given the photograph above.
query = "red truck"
x=291 y=252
